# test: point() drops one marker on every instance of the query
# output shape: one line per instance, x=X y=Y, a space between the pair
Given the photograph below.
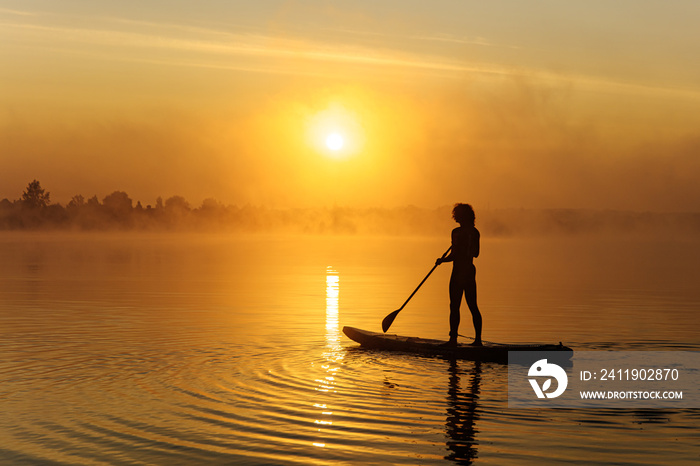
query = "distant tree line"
x=116 y=211
x=35 y=211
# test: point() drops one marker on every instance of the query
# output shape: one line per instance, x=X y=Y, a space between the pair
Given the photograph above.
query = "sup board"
x=494 y=352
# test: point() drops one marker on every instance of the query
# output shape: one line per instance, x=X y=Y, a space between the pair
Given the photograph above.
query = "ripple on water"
x=291 y=405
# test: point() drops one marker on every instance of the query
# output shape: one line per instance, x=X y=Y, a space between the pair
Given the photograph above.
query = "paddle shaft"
x=426 y=277
x=388 y=320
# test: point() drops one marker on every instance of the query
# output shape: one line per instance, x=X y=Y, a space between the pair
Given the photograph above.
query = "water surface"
x=208 y=349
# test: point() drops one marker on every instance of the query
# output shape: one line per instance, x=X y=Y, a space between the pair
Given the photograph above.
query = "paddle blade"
x=388 y=320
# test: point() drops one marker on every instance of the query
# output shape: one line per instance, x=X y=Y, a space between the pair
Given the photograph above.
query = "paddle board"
x=495 y=352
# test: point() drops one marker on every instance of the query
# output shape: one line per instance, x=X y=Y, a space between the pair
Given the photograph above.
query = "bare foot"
x=476 y=343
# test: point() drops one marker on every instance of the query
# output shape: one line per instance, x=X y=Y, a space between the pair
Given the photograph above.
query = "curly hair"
x=463 y=213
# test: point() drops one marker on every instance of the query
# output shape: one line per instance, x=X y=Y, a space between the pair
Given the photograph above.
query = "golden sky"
x=502 y=104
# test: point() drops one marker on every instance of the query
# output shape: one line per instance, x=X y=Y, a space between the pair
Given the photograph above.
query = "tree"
x=76 y=201
x=35 y=197
x=118 y=204
x=118 y=201
x=176 y=209
x=177 y=204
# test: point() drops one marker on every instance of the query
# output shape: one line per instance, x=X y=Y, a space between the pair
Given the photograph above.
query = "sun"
x=335 y=131
x=335 y=141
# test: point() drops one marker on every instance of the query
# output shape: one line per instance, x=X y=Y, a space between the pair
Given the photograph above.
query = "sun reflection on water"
x=333 y=346
x=332 y=352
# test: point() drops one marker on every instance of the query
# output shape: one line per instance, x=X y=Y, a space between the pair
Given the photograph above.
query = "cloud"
x=7 y=11
x=215 y=44
x=481 y=41
x=171 y=44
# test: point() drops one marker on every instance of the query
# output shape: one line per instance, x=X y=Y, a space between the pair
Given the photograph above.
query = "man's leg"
x=470 y=295
x=456 y=292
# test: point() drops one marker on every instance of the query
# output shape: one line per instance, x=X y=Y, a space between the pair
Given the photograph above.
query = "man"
x=465 y=247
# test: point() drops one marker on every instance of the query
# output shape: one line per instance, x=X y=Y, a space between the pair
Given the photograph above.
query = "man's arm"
x=450 y=256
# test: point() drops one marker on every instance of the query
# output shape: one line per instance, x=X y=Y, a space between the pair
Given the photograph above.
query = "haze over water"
x=213 y=349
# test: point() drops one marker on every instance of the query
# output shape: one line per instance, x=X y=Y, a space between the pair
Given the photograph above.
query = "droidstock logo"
x=543 y=369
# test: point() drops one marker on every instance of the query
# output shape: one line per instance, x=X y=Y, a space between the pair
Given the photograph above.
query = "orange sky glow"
x=501 y=104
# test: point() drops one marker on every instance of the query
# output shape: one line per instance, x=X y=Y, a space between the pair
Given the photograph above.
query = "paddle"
x=388 y=320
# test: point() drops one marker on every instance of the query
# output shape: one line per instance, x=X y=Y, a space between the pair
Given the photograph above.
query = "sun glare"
x=335 y=141
x=335 y=131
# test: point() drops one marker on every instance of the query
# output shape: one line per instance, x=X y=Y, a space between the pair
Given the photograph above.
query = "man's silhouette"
x=465 y=247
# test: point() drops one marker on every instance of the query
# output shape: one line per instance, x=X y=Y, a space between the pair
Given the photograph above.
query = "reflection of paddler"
x=461 y=415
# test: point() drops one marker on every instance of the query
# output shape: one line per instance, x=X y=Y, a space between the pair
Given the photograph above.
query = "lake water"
x=208 y=349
